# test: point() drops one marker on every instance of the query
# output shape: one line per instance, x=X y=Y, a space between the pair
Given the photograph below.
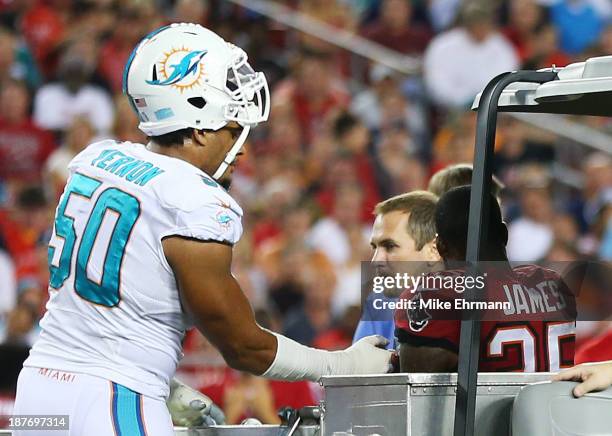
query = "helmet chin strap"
x=231 y=155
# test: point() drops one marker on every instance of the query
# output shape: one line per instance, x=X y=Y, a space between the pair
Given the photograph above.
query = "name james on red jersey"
x=533 y=332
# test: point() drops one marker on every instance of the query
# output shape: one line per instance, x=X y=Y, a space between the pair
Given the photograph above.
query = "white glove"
x=190 y=408
x=368 y=356
x=294 y=361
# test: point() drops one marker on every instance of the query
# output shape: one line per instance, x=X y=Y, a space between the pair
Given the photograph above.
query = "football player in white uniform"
x=142 y=249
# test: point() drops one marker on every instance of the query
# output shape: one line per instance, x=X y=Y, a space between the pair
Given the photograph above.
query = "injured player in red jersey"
x=532 y=329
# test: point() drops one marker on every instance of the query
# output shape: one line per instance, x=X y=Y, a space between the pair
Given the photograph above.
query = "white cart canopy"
x=583 y=88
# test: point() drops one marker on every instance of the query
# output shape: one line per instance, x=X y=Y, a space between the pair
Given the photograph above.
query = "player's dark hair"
x=452 y=217
x=172 y=139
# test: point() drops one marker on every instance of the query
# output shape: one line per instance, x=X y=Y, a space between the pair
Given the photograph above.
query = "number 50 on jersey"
x=113 y=210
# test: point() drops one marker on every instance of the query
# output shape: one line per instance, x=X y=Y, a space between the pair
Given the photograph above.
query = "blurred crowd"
x=343 y=135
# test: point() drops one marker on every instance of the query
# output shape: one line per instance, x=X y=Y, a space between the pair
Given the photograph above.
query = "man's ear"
x=199 y=137
x=432 y=249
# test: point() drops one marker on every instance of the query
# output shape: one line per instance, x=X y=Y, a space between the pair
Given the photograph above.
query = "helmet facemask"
x=249 y=92
x=250 y=102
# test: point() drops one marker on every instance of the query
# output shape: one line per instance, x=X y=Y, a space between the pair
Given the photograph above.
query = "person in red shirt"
x=24 y=147
x=43 y=26
x=116 y=51
x=23 y=230
x=524 y=18
x=312 y=93
x=353 y=139
x=534 y=332
x=394 y=29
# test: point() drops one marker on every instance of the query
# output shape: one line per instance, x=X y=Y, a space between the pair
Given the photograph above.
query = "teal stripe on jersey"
x=126 y=412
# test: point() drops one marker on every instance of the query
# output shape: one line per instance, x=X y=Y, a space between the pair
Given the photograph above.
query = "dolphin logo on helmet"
x=187 y=65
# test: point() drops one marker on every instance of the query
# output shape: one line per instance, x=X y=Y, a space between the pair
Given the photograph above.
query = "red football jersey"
x=533 y=332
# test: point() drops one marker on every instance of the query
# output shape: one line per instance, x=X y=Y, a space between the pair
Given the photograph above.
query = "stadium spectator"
x=333 y=12
x=73 y=94
x=597 y=170
x=401 y=170
x=24 y=147
x=545 y=50
x=579 y=23
x=354 y=143
x=443 y=13
x=347 y=293
x=285 y=257
x=16 y=62
x=517 y=145
x=8 y=284
x=531 y=235
x=22 y=227
x=340 y=335
x=44 y=26
x=191 y=11
x=126 y=33
x=312 y=92
x=525 y=17
x=330 y=233
x=460 y=62
x=454 y=141
x=605 y=45
x=395 y=29
x=304 y=323
x=371 y=103
x=126 y=122
x=78 y=136
x=605 y=247
x=250 y=395
x=19 y=323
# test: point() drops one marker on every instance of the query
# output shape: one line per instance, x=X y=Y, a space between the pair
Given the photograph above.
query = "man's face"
x=395 y=251
x=392 y=243
x=216 y=145
x=14 y=101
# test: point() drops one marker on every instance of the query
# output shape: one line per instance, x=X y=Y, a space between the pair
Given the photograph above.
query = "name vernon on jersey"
x=133 y=170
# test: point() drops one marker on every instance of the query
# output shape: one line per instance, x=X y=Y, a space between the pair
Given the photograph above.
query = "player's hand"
x=594 y=377
x=190 y=408
x=369 y=355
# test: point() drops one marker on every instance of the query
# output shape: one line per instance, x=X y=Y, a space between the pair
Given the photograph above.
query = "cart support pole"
x=469 y=344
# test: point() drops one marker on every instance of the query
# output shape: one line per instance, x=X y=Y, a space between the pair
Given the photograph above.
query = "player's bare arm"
x=219 y=308
x=427 y=359
x=223 y=314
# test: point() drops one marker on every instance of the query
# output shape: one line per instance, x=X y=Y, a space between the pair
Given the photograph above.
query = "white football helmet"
x=183 y=75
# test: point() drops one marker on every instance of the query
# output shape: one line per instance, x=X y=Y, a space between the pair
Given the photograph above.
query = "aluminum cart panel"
x=417 y=404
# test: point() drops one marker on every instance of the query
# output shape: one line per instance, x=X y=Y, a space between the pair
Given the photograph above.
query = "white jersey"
x=114 y=308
